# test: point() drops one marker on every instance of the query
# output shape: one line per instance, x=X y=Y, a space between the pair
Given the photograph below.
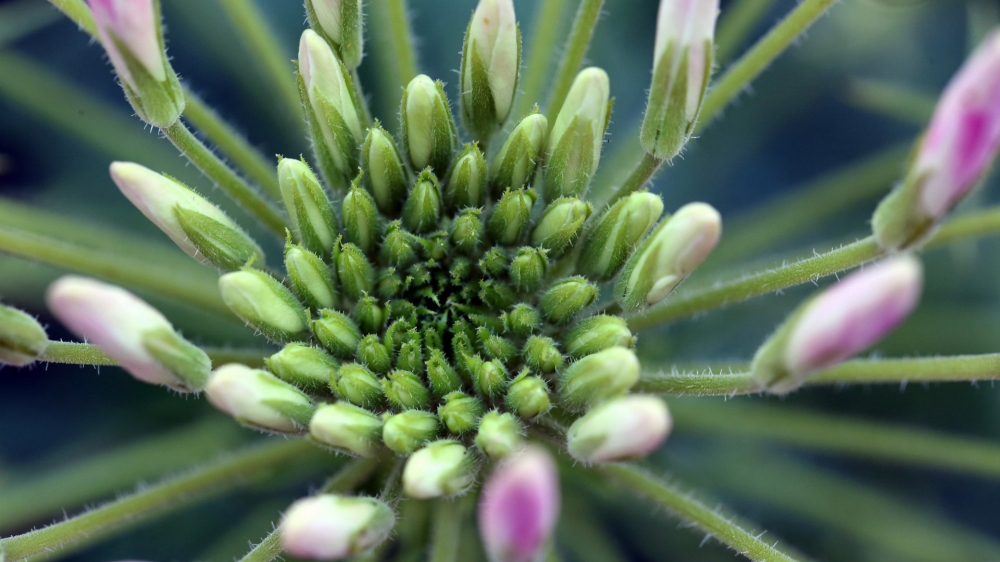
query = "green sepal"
x=358 y=385
x=405 y=391
x=442 y=377
x=510 y=216
x=360 y=217
x=373 y=354
x=22 y=339
x=337 y=332
x=356 y=274
x=185 y=361
x=226 y=248
x=310 y=277
x=422 y=209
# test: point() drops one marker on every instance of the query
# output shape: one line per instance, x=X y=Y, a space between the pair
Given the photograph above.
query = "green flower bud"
x=442 y=468
x=577 y=136
x=491 y=58
x=460 y=412
x=423 y=207
x=309 y=208
x=528 y=396
x=348 y=428
x=598 y=377
x=389 y=284
x=490 y=378
x=259 y=399
x=494 y=262
x=528 y=269
x=358 y=385
x=372 y=354
x=542 y=354
x=22 y=338
x=560 y=224
x=408 y=431
x=496 y=347
x=307 y=367
x=467 y=179
x=438 y=245
x=184 y=360
x=510 y=216
x=522 y=320
x=397 y=333
x=224 y=246
x=565 y=299
x=411 y=358
x=405 y=390
x=499 y=435
x=338 y=333
x=514 y=166
x=467 y=230
x=356 y=274
x=264 y=304
x=618 y=233
x=340 y=22
x=384 y=170
x=598 y=333
x=498 y=296
x=398 y=246
x=361 y=221
x=440 y=374
x=311 y=279
x=428 y=128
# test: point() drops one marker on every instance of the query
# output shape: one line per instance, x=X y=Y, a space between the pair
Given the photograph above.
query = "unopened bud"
x=494 y=262
x=510 y=216
x=598 y=377
x=348 y=428
x=428 y=128
x=341 y=23
x=490 y=379
x=515 y=165
x=598 y=333
x=361 y=220
x=442 y=468
x=405 y=390
x=626 y=428
x=460 y=412
x=565 y=299
x=399 y=248
x=22 y=338
x=491 y=59
x=440 y=374
x=618 y=233
x=374 y=355
x=542 y=354
x=499 y=435
x=331 y=527
x=264 y=304
x=307 y=367
x=467 y=180
x=411 y=356
x=560 y=224
x=310 y=277
x=410 y=430
x=259 y=399
x=423 y=207
x=384 y=170
x=528 y=269
x=522 y=320
x=467 y=230
x=369 y=315
x=528 y=396
x=308 y=206
x=577 y=136
x=498 y=296
x=337 y=332
x=359 y=386
x=389 y=284
x=355 y=272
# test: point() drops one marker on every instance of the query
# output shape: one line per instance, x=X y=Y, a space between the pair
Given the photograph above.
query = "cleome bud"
x=440 y=374
x=598 y=377
x=197 y=226
x=370 y=315
x=560 y=224
x=423 y=206
x=528 y=396
x=259 y=399
x=682 y=64
x=372 y=354
x=405 y=390
x=577 y=136
x=598 y=333
x=669 y=255
x=265 y=305
x=515 y=164
x=310 y=277
x=359 y=386
x=528 y=269
x=307 y=367
x=490 y=378
x=626 y=428
x=491 y=59
x=429 y=132
x=442 y=468
x=309 y=208
x=467 y=230
x=337 y=332
x=341 y=23
x=384 y=172
x=467 y=179
x=348 y=428
x=355 y=272
x=510 y=216
x=399 y=248
x=841 y=321
x=361 y=220
x=499 y=435
x=522 y=320
x=409 y=430
x=617 y=234
x=565 y=299
x=332 y=527
x=542 y=354
x=131 y=332
x=460 y=412
x=22 y=339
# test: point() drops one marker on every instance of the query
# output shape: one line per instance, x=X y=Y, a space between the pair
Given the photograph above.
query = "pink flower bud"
x=687 y=27
x=622 y=429
x=330 y=527
x=519 y=507
x=132 y=25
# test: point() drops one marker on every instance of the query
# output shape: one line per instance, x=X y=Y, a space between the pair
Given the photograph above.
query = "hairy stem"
x=737 y=22
x=640 y=176
x=446 y=529
x=401 y=36
x=573 y=53
x=74 y=353
x=969 y=226
x=540 y=48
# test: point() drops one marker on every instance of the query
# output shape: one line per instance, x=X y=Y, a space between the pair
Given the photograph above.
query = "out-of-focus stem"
x=736 y=23
x=446 y=529
x=540 y=48
x=891 y=100
x=573 y=53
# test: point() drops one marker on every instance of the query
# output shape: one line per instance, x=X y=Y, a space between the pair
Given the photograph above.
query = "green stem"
x=544 y=35
x=737 y=22
x=447 y=529
x=640 y=176
x=971 y=225
x=216 y=170
x=573 y=54
x=239 y=469
x=73 y=353
x=698 y=384
x=403 y=48
x=359 y=93
x=891 y=100
x=198 y=290
x=686 y=507
x=77 y=11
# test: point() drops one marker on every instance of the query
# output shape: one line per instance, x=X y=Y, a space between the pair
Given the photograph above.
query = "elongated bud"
x=522 y=320
x=519 y=507
x=542 y=354
x=384 y=172
x=838 y=323
x=460 y=412
x=307 y=367
x=264 y=304
x=955 y=153
x=131 y=332
x=669 y=255
x=682 y=64
x=361 y=221
x=515 y=165
x=598 y=377
x=500 y=435
x=510 y=216
x=577 y=136
x=131 y=34
x=565 y=299
x=341 y=22
x=491 y=59
x=331 y=527
x=598 y=333
x=348 y=428
x=490 y=378
x=626 y=428
x=467 y=231
x=528 y=269
x=369 y=315
x=560 y=224
x=442 y=468
x=259 y=399
x=467 y=179
x=423 y=206
x=355 y=272
x=528 y=396
x=408 y=431
x=197 y=226
x=494 y=262
x=326 y=88
x=399 y=248
x=308 y=206
x=310 y=277
x=337 y=332
x=440 y=373
x=618 y=233
x=22 y=338
x=428 y=128
x=496 y=347
x=358 y=385
x=411 y=357
x=374 y=355
x=405 y=390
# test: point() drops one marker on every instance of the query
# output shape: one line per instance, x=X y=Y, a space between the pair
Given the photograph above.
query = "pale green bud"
x=408 y=431
x=510 y=216
x=369 y=315
x=308 y=205
x=491 y=58
x=515 y=164
x=372 y=354
x=264 y=304
x=668 y=256
x=389 y=284
x=597 y=334
x=617 y=235
x=348 y=428
x=460 y=412
x=361 y=220
x=384 y=170
x=405 y=390
x=565 y=299
x=197 y=226
x=341 y=23
x=467 y=230
x=428 y=128
x=528 y=269
x=522 y=320
x=310 y=277
x=440 y=374
x=528 y=396
x=598 y=377
x=411 y=356
x=334 y=527
x=560 y=224
x=577 y=136
x=494 y=263
x=399 y=248
x=423 y=207
x=356 y=274
x=307 y=367
x=490 y=378
x=22 y=338
x=499 y=435
x=622 y=429
x=442 y=468
x=498 y=296
x=358 y=385
x=542 y=354
x=397 y=333
x=338 y=333
x=466 y=185
x=259 y=399
x=495 y=346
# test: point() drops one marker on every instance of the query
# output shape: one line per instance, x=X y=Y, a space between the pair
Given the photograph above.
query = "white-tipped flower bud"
x=341 y=22
x=22 y=338
x=577 y=136
x=348 y=428
x=410 y=430
x=331 y=527
x=384 y=172
x=428 y=128
x=466 y=185
x=442 y=468
x=560 y=224
x=626 y=428
x=491 y=59
x=361 y=219
x=618 y=233
x=598 y=333
x=598 y=377
x=264 y=304
x=308 y=207
x=307 y=367
x=515 y=164
x=310 y=277
x=259 y=399
x=500 y=435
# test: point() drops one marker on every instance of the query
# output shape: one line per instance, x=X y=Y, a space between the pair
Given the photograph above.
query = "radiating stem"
x=359 y=92
x=447 y=529
x=573 y=54
x=736 y=23
x=220 y=476
x=544 y=34
x=74 y=353
x=698 y=384
x=683 y=505
x=401 y=37
x=640 y=176
x=968 y=226
x=891 y=100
